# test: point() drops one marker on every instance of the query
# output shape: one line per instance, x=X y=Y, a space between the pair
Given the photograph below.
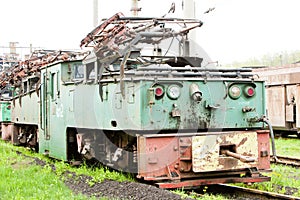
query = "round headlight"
x=234 y=91
x=173 y=91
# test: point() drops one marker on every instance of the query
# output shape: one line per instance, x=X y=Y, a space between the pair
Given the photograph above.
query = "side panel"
x=291 y=94
x=276 y=105
x=297 y=100
x=113 y=112
x=83 y=101
x=5 y=111
x=26 y=109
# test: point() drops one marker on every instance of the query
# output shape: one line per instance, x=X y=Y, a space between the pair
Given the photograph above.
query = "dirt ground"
x=113 y=189
x=118 y=190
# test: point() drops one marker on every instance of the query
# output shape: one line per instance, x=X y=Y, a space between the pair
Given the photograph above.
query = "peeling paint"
x=206 y=154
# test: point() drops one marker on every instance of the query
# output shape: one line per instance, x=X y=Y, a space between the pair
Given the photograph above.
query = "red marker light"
x=159 y=91
x=250 y=91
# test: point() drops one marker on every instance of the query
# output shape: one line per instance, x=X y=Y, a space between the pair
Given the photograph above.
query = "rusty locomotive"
x=142 y=100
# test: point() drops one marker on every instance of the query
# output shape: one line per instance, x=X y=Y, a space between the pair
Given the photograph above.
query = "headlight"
x=173 y=91
x=234 y=92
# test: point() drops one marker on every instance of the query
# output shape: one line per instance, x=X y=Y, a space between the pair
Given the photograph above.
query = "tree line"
x=275 y=59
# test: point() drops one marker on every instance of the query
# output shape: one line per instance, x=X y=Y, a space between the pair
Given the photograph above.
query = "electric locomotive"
x=145 y=101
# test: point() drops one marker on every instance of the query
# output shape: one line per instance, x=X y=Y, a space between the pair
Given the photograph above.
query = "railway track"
x=284 y=160
x=236 y=192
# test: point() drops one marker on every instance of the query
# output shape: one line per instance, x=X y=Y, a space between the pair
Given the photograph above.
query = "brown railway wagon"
x=283 y=97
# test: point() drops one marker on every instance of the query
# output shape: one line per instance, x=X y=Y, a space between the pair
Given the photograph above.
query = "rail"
x=289 y=161
x=243 y=193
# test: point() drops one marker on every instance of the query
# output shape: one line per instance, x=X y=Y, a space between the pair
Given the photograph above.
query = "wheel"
x=298 y=134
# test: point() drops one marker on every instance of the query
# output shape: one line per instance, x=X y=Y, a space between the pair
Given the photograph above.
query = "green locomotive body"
x=5 y=111
x=165 y=118
x=5 y=119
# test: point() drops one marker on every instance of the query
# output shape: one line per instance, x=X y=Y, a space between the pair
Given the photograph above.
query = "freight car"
x=283 y=97
x=142 y=102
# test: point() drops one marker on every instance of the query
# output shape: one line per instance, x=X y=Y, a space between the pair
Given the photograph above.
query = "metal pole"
x=189 y=9
x=134 y=8
x=95 y=14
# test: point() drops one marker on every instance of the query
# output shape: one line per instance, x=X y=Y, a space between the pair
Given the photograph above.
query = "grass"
x=20 y=179
x=98 y=173
x=286 y=176
x=284 y=180
x=288 y=147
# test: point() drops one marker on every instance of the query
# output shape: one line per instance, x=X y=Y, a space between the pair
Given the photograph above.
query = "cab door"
x=45 y=106
x=49 y=97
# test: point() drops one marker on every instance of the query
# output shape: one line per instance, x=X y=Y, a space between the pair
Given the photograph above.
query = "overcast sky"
x=235 y=31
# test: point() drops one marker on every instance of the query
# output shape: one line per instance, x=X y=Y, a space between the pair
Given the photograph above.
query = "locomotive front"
x=172 y=117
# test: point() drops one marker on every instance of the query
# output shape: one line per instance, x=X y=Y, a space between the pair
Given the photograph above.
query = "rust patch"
x=228 y=162
x=242 y=142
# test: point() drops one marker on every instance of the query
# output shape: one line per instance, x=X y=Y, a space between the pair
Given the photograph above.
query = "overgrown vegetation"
x=21 y=178
x=288 y=147
x=284 y=180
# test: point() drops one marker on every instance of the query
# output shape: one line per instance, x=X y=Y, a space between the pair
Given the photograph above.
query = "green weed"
x=288 y=147
x=21 y=179
x=283 y=179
